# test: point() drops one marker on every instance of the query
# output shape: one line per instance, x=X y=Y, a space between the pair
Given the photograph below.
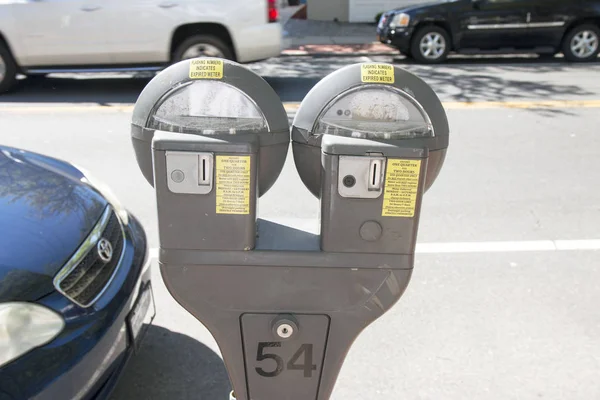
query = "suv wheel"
x=430 y=44
x=582 y=43
x=202 y=46
x=8 y=70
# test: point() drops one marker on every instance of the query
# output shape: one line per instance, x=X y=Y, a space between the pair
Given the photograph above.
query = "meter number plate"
x=275 y=366
x=301 y=360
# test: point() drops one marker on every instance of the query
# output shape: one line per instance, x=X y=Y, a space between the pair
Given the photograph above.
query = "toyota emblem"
x=105 y=250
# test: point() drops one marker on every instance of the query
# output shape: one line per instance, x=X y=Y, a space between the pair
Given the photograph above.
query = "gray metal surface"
x=351 y=297
x=194 y=221
x=343 y=218
x=284 y=369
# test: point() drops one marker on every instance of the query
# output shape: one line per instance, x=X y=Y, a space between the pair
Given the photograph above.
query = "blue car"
x=75 y=291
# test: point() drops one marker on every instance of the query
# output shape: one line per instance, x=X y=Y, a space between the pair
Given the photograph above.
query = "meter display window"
x=374 y=112
x=208 y=108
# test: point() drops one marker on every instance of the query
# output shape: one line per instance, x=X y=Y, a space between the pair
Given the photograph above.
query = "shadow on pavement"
x=512 y=79
x=77 y=89
x=460 y=79
x=498 y=60
x=173 y=366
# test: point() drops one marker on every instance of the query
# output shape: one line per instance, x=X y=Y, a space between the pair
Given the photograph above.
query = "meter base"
x=350 y=298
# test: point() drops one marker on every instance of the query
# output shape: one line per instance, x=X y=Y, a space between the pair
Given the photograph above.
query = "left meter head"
x=216 y=99
x=211 y=136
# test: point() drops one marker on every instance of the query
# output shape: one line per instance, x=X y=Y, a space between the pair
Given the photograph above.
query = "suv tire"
x=430 y=45
x=202 y=46
x=8 y=70
x=582 y=43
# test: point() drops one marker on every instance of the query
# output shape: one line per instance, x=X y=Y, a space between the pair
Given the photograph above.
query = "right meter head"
x=378 y=102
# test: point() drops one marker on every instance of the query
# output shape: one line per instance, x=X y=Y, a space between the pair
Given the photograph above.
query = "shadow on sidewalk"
x=173 y=366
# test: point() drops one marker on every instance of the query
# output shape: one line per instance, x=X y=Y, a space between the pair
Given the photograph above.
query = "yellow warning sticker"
x=401 y=188
x=233 y=184
x=206 y=68
x=377 y=73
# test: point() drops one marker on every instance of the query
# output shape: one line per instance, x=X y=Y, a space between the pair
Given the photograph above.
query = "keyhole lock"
x=349 y=181
x=285 y=327
x=284 y=331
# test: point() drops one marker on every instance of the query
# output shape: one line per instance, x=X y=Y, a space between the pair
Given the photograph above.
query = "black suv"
x=428 y=32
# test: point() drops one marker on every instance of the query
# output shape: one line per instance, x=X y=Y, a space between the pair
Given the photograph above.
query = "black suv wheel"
x=582 y=43
x=430 y=44
x=8 y=69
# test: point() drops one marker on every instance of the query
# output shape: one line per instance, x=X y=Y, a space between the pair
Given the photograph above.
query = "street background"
x=503 y=303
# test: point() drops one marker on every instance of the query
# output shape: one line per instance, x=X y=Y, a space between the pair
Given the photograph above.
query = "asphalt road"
x=504 y=300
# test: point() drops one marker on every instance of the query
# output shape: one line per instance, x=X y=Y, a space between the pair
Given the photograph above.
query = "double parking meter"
x=285 y=305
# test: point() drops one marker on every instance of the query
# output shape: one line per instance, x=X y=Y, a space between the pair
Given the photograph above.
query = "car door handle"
x=90 y=8
x=167 y=5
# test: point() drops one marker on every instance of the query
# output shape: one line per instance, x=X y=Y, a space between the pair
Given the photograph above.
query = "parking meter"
x=286 y=306
x=211 y=136
x=369 y=140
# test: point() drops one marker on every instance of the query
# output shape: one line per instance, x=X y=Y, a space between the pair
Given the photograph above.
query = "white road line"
x=593 y=244
x=495 y=247
x=486 y=247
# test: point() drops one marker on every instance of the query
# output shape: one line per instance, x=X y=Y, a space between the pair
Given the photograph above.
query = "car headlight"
x=400 y=20
x=105 y=191
x=25 y=326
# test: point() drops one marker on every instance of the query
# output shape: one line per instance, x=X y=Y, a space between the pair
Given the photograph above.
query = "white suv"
x=44 y=36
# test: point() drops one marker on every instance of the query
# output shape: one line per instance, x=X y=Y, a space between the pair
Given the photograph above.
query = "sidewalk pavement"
x=306 y=37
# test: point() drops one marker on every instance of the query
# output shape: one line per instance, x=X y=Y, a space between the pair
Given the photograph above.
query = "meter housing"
x=211 y=136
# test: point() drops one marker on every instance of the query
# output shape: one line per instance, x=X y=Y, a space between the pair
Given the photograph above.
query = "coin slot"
x=375 y=170
x=205 y=169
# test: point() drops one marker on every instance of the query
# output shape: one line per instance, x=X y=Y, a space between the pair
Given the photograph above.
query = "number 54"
x=305 y=350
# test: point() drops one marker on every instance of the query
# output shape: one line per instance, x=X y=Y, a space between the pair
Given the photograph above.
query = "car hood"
x=46 y=211
x=441 y=4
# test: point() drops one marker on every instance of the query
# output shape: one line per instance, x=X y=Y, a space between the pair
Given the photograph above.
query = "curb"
x=295 y=53
x=340 y=50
